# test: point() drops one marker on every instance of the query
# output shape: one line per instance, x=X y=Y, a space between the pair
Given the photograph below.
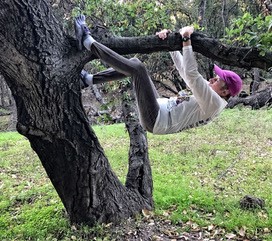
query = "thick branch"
x=241 y=57
x=139 y=175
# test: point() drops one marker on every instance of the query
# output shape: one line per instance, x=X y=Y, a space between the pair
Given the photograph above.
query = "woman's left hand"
x=163 y=34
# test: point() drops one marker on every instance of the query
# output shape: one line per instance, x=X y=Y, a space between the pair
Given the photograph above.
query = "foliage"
x=135 y=18
x=127 y=17
x=251 y=31
x=199 y=177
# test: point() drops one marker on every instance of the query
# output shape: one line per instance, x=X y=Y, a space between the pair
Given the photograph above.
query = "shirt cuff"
x=188 y=47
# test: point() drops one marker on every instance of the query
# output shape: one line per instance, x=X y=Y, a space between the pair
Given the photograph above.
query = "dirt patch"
x=151 y=229
x=160 y=229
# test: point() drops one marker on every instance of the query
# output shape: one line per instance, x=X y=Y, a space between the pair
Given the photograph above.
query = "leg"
x=100 y=77
x=146 y=93
x=107 y=75
x=146 y=96
x=147 y=108
x=116 y=61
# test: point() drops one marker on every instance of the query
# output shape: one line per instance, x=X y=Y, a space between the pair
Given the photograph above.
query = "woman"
x=162 y=115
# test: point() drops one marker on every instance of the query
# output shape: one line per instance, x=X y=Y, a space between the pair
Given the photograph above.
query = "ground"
x=148 y=229
x=157 y=228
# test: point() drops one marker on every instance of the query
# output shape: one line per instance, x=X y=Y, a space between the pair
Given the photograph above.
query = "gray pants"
x=146 y=94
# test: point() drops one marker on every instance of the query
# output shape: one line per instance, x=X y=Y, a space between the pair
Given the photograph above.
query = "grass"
x=199 y=177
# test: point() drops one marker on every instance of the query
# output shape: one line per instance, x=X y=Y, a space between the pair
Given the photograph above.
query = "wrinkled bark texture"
x=243 y=57
x=41 y=65
x=201 y=12
x=138 y=152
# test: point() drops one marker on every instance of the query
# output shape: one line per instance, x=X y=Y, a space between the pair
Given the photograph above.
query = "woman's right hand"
x=186 y=31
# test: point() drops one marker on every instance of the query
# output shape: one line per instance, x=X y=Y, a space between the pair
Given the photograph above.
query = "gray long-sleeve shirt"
x=203 y=106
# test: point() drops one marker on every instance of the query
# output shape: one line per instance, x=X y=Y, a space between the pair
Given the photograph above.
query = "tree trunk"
x=41 y=65
x=7 y=103
x=224 y=15
x=2 y=91
x=139 y=173
x=254 y=85
x=201 y=13
x=13 y=117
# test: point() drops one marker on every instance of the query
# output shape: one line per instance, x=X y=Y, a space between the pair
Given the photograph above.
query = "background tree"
x=5 y=94
x=253 y=30
x=7 y=105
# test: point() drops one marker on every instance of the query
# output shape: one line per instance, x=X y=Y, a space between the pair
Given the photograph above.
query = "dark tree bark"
x=254 y=85
x=41 y=65
x=243 y=57
x=138 y=153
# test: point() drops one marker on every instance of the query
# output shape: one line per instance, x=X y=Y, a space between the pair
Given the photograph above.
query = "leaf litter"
x=150 y=227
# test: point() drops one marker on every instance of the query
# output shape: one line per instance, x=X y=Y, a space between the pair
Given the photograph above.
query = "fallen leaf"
x=230 y=235
x=156 y=238
x=73 y=228
x=147 y=213
x=242 y=232
x=108 y=225
x=210 y=227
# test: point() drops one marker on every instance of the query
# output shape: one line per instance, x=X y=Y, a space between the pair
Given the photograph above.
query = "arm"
x=178 y=61
x=175 y=55
x=209 y=101
x=185 y=33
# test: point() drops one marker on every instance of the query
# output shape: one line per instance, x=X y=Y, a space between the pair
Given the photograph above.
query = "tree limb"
x=243 y=57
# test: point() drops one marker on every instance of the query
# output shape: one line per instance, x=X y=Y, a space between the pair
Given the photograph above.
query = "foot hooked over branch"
x=81 y=30
x=86 y=79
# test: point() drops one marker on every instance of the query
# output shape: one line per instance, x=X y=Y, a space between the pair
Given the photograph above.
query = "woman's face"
x=219 y=86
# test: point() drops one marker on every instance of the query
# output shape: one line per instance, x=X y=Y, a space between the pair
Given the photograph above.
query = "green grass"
x=199 y=177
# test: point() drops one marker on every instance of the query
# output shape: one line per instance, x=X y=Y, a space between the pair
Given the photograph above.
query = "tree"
x=5 y=94
x=7 y=105
x=41 y=65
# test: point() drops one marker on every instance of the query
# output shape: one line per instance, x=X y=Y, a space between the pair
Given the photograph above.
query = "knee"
x=138 y=64
x=135 y=60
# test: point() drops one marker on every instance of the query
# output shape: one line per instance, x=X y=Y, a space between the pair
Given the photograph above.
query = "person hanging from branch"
x=163 y=115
